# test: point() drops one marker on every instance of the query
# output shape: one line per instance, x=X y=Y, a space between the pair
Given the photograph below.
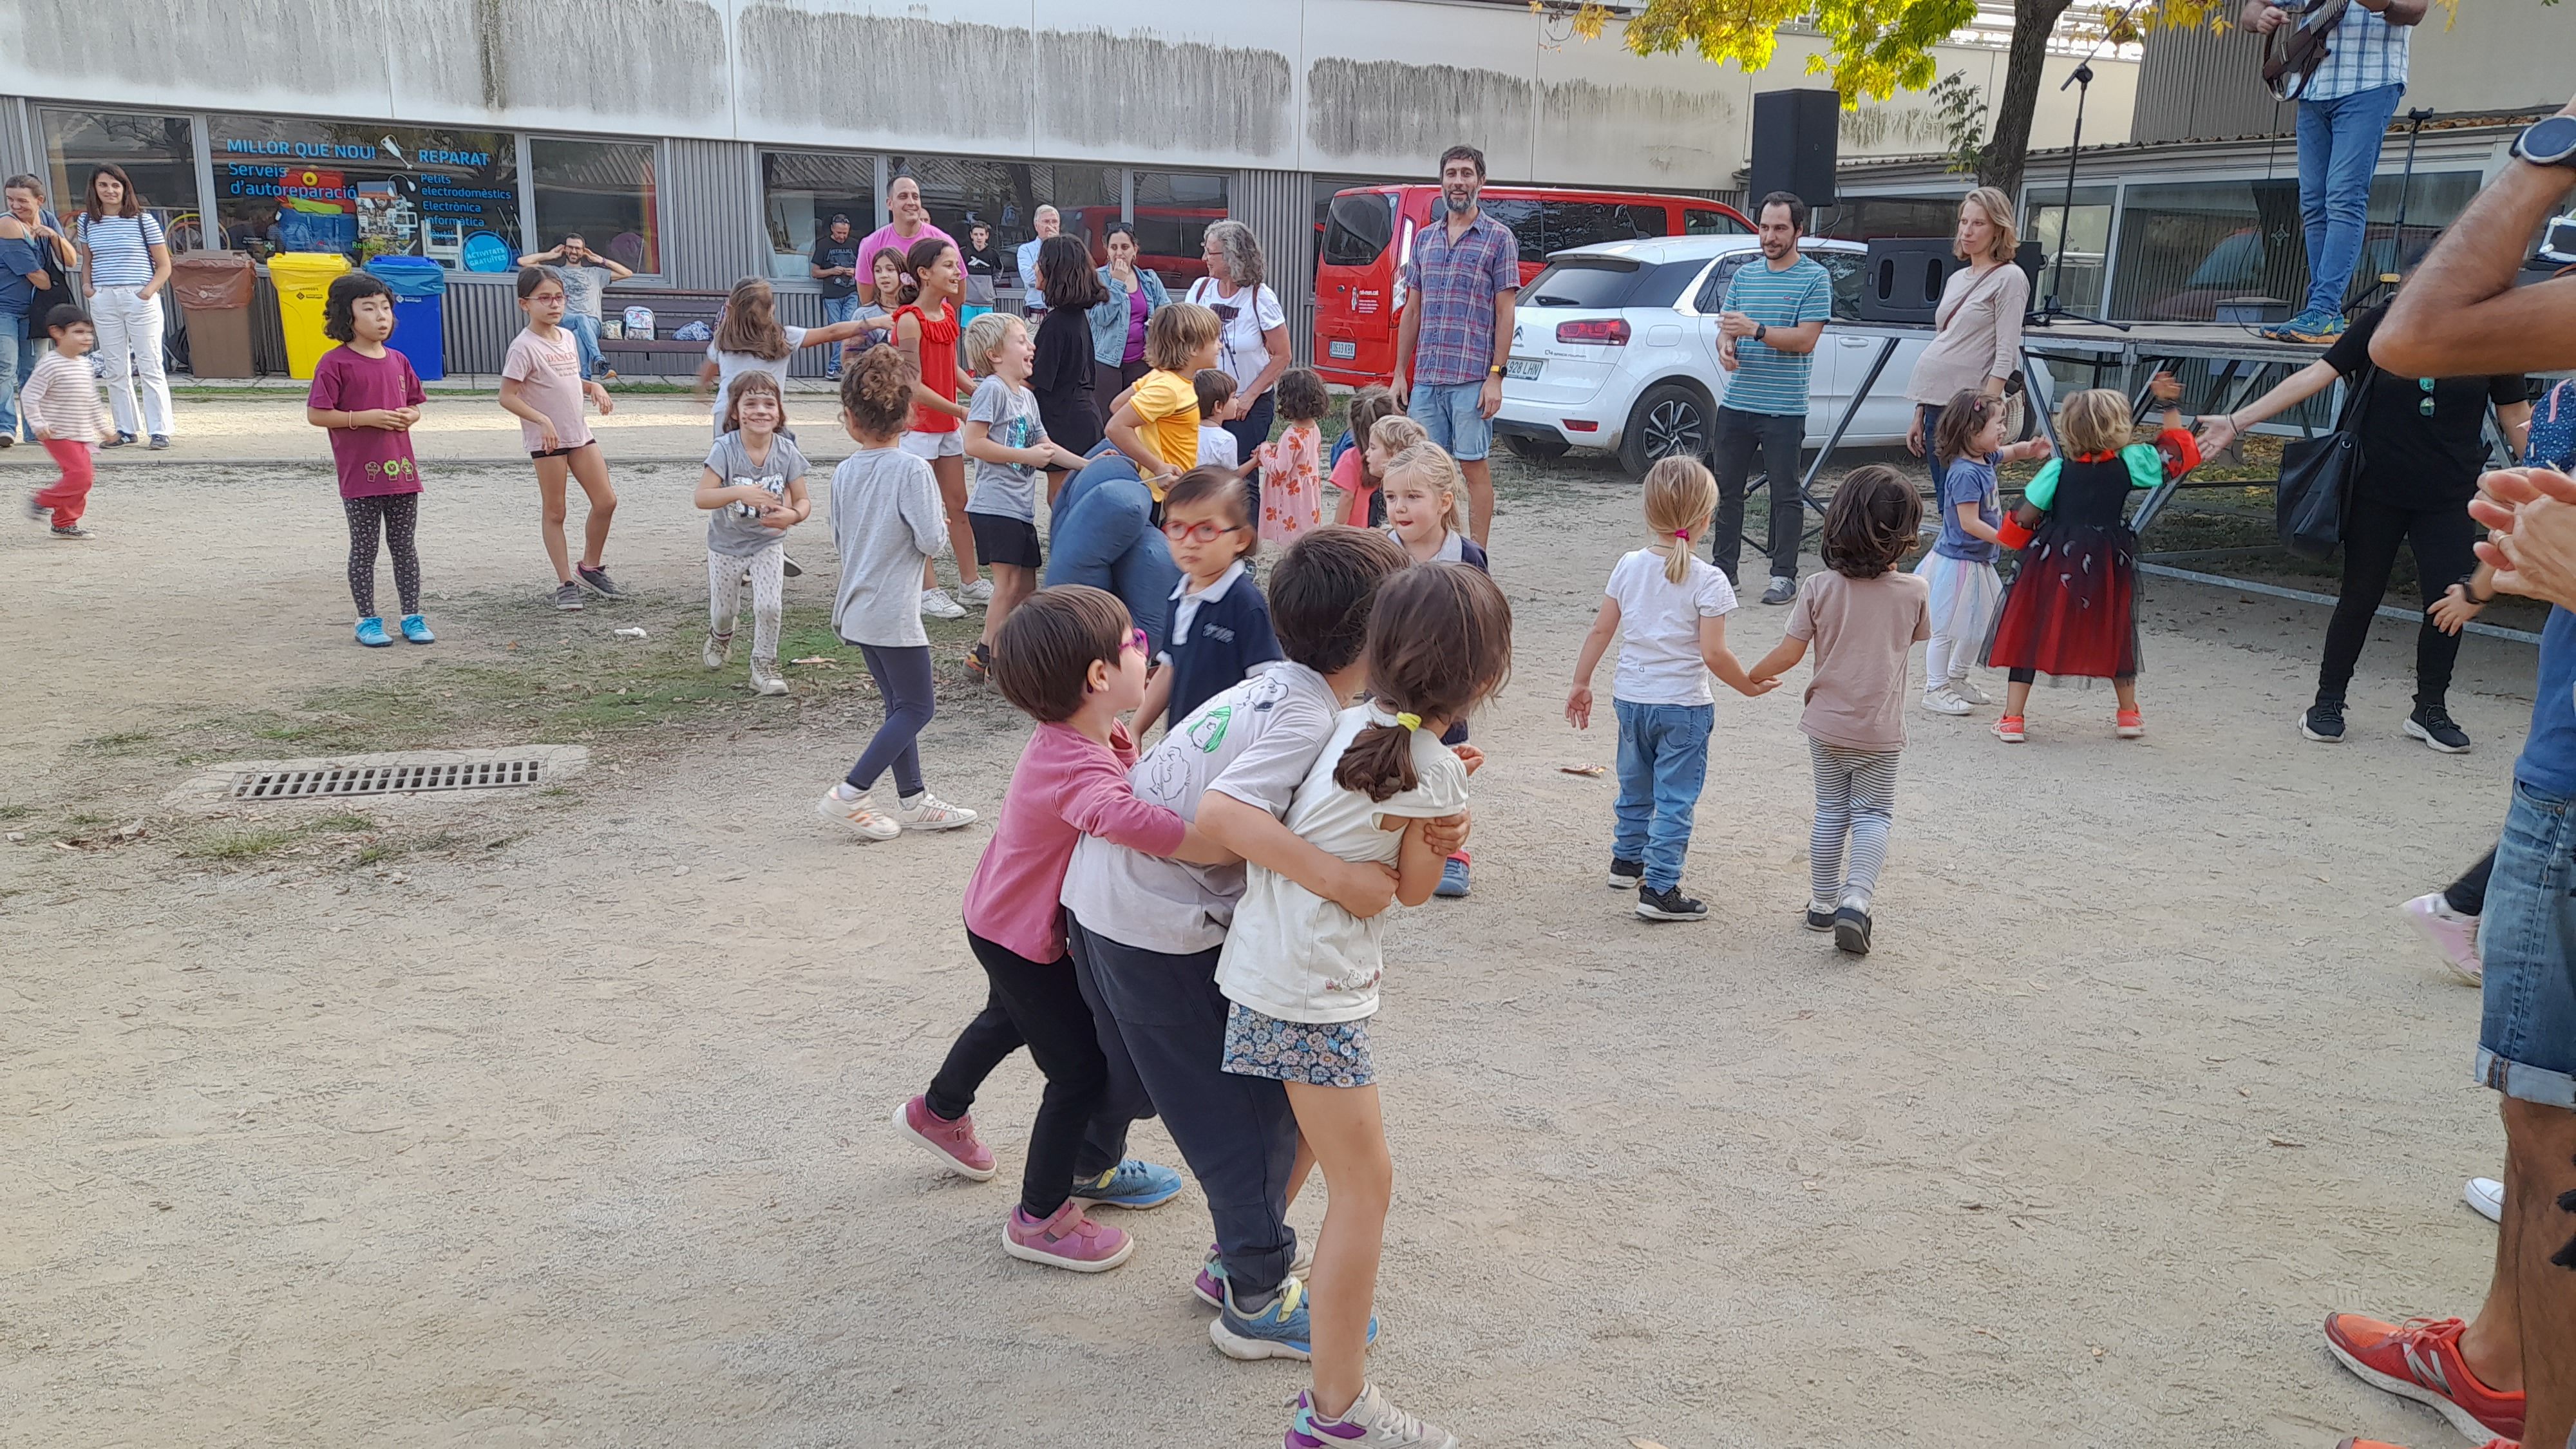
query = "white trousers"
x=768 y=570
x=129 y=341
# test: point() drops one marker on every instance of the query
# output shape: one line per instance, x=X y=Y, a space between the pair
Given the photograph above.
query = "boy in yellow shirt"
x=1157 y=423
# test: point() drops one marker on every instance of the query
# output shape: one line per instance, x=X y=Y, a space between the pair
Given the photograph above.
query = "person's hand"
x=2272 y=18
x=2454 y=609
x=1470 y=756
x=1363 y=888
x=1403 y=391
x=1489 y=398
x=1446 y=834
x=410 y=416
x=1578 y=707
x=87 y=290
x=2532 y=512
x=599 y=395
x=1756 y=688
x=145 y=295
x=1726 y=353
x=388 y=419
x=547 y=441
x=2038 y=450
x=1766 y=682
x=1914 y=433
x=1734 y=324
x=2166 y=387
x=44 y=434
x=2215 y=433
x=778 y=517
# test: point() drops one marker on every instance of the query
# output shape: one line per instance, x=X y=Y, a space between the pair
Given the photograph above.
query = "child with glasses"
x=1219 y=627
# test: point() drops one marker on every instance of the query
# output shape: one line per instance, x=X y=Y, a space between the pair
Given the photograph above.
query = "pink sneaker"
x=1066 y=1240
x=2452 y=934
x=953 y=1143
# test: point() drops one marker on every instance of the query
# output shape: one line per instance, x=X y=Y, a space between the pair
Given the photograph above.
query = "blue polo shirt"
x=2548 y=762
x=1216 y=639
x=1767 y=380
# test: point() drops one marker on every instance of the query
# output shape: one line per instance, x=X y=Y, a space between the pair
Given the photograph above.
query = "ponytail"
x=1439 y=641
x=1677 y=556
x=1681 y=494
x=1379 y=763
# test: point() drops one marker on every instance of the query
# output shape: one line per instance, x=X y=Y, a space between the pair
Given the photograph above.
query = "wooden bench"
x=662 y=356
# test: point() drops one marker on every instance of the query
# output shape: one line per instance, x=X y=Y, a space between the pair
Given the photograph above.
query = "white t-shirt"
x=1241 y=352
x=1293 y=954
x=730 y=365
x=1216 y=447
x=1659 y=660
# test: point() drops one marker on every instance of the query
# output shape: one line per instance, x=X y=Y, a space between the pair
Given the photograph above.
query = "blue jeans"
x=1663 y=759
x=1448 y=412
x=17 y=360
x=1101 y=532
x=2527 y=1039
x=839 y=309
x=2338 y=154
x=585 y=335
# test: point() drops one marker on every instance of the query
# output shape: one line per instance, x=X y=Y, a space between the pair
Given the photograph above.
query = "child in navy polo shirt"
x=1220 y=625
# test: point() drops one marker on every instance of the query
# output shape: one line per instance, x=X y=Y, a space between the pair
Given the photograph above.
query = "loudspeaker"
x=1904 y=278
x=1794 y=140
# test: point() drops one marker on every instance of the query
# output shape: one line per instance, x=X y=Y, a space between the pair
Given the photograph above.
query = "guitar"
x=2292 y=54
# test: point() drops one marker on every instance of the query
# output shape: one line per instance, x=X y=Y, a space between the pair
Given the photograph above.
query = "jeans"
x=129 y=342
x=840 y=309
x=1101 y=532
x=13 y=345
x=1045 y=1007
x=1663 y=760
x=585 y=337
x=32 y=342
x=2338 y=153
x=2444 y=539
x=1930 y=415
x=2527 y=1038
x=1777 y=438
x=1449 y=412
x=902 y=673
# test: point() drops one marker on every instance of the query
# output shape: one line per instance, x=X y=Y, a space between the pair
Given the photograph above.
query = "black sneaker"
x=1626 y=875
x=2324 y=722
x=1671 y=905
x=789 y=567
x=599 y=581
x=1851 y=930
x=2434 y=726
x=1819 y=918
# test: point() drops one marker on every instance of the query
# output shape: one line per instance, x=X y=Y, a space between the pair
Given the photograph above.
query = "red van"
x=1368 y=232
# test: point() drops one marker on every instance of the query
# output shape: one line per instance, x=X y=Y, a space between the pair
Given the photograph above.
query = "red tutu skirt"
x=2071 y=612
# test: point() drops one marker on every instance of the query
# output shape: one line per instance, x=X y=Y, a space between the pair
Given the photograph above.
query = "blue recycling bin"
x=419 y=286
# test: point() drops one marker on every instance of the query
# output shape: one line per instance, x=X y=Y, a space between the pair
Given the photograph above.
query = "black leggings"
x=1043 y=1004
x=2031 y=676
x=2444 y=539
x=2468 y=894
x=902 y=673
x=397 y=513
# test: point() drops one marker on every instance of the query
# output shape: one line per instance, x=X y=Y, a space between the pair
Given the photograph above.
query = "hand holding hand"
x=2166 y=387
x=1578 y=707
x=1756 y=688
x=2453 y=609
x=1447 y=834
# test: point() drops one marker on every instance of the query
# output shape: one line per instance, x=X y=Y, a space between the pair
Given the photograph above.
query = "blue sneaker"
x=416 y=629
x=1210 y=1284
x=2310 y=326
x=1278 y=1331
x=1453 y=879
x=1131 y=1184
x=371 y=632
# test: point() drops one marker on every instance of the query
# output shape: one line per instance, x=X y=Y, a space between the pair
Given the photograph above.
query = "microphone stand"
x=2388 y=278
x=2082 y=80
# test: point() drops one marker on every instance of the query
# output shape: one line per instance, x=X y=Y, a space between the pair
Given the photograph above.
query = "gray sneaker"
x=1782 y=590
x=568 y=598
x=599 y=581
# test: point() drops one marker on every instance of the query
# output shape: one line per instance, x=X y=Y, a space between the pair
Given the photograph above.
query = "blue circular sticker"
x=485 y=252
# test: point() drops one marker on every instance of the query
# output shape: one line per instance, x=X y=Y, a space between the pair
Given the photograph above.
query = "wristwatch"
x=1494 y=371
x=1760 y=331
x=2550 y=141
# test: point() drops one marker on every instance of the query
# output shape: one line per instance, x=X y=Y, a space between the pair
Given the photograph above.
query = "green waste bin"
x=303 y=281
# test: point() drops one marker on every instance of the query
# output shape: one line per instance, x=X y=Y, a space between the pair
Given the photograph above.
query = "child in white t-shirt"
x=1216 y=446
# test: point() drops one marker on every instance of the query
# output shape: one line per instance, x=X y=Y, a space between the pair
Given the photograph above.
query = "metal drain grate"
x=340 y=781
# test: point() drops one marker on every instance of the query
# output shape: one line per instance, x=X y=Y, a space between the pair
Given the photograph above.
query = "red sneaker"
x=2420 y=1360
x=2128 y=724
x=2360 y=1443
x=2009 y=730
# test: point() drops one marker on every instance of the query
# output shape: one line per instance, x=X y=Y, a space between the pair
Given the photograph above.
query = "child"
x=1292 y=464
x=749 y=338
x=887 y=269
x=59 y=401
x=1073 y=661
x=1667 y=608
x=886 y=523
x=1219 y=626
x=753 y=488
x=925 y=330
x=1960 y=566
x=1301 y=973
x=1216 y=446
x=1355 y=470
x=1864 y=617
x=2072 y=609
x=367 y=396
x=1156 y=422
x=542 y=386
x=1009 y=443
x=1425 y=513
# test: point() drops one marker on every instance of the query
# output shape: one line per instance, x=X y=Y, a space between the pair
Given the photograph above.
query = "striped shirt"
x=61 y=397
x=2363 y=53
x=1767 y=380
x=120 y=248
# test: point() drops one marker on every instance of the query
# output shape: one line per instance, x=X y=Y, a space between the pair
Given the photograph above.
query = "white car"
x=1615 y=346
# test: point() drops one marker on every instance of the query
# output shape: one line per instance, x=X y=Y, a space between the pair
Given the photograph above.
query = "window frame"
x=661 y=148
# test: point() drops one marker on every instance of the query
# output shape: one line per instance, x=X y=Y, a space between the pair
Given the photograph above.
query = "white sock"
x=846 y=791
x=913 y=800
x=1855 y=900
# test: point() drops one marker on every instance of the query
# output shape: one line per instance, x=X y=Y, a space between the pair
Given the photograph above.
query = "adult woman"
x=126 y=262
x=1254 y=346
x=1976 y=342
x=55 y=259
x=1061 y=375
x=2423 y=443
x=1118 y=324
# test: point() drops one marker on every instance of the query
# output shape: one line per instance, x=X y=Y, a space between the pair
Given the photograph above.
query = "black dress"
x=2071 y=611
x=1061 y=377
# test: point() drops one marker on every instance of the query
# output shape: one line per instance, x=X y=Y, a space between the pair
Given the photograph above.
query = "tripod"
x=2082 y=80
x=2389 y=277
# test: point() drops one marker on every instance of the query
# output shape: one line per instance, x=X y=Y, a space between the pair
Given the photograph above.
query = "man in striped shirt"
x=1767 y=328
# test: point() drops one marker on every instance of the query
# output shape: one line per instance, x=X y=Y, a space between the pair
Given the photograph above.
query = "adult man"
x=2511 y=1372
x=1766 y=334
x=1462 y=282
x=2343 y=114
x=1048 y=222
x=911 y=223
x=585 y=273
x=835 y=264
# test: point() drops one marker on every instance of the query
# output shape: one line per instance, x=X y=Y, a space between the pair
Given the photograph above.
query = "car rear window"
x=1608 y=282
x=1357 y=228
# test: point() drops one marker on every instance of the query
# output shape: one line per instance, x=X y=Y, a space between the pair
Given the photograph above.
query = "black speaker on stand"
x=1904 y=276
x=1795 y=139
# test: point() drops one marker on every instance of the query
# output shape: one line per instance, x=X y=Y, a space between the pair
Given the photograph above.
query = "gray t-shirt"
x=1010 y=415
x=886 y=521
x=1257 y=742
x=582 y=286
x=735 y=529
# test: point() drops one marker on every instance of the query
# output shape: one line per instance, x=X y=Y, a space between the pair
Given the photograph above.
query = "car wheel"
x=1535 y=448
x=1672 y=418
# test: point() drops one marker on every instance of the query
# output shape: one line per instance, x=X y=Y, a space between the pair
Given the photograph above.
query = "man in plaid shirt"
x=1462 y=279
x=2343 y=114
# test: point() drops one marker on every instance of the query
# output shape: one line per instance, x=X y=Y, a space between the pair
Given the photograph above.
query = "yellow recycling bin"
x=303 y=281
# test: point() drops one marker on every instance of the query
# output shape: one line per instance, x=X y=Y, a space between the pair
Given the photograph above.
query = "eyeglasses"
x=2424 y=404
x=1199 y=532
x=1137 y=641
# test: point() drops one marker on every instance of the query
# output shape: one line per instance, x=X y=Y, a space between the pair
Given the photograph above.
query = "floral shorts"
x=1319 y=1054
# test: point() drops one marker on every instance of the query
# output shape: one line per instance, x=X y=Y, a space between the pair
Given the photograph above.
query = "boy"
x=366 y=394
x=1218 y=628
x=1008 y=444
x=1216 y=446
x=60 y=401
x=1157 y=427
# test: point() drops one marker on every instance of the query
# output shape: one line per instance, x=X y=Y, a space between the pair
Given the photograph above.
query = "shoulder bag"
x=2318 y=476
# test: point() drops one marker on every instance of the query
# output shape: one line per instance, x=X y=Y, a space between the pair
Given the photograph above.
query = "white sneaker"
x=2487 y=1196
x=1370 y=1423
x=1967 y=689
x=926 y=811
x=978 y=593
x=935 y=604
x=1942 y=701
x=765 y=678
x=719 y=648
x=860 y=815
x=2454 y=935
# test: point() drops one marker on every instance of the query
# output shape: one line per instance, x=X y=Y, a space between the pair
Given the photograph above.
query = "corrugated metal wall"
x=17 y=143
x=477 y=321
x=2195 y=85
x=1279 y=206
x=713 y=208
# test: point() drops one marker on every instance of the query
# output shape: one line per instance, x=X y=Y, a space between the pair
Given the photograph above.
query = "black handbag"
x=2318 y=476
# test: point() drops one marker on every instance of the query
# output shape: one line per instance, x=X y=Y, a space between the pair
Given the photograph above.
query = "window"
x=1566 y=224
x=1173 y=209
x=1709 y=221
x=1357 y=229
x=959 y=192
x=366 y=190
x=2088 y=241
x=801 y=191
x=159 y=152
x=2185 y=248
x=1860 y=218
x=1523 y=218
x=1847 y=270
x=604 y=192
x=1712 y=293
x=1583 y=282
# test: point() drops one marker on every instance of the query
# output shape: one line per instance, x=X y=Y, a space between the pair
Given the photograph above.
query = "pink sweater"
x=1065 y=786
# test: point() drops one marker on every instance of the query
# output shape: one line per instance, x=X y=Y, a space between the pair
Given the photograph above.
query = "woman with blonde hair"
x=1976 y=343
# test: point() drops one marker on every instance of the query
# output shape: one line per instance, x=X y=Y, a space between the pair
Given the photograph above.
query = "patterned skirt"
x=1319 y=1054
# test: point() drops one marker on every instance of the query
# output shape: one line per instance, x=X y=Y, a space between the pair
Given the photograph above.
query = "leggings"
x=1855 y=795
x=2031 y=676
x=768 y=569
x=902 y=673
x=2444 y=540
x=2468 y=894
x=1043 y=1003
x=397 y=513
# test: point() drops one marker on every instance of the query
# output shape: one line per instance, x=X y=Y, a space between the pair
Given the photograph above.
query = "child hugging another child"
x=542 y=386
x=1219 y=626
x=1667 y=609
x=1363 y=468
x=753 y=488
x=1426 y=513
x=1008 y=444
x=2072 y=610
x=1292 y=464
x=366 y=394
x=1969 y=444
x=1863 y=615
x=1156 y=422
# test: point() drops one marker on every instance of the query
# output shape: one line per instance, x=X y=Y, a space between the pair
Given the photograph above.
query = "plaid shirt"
x=2363 y=53
x=1454 y=285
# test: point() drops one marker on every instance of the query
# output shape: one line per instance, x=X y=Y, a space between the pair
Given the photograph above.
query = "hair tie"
x=1682 y=533
x=1409 y=721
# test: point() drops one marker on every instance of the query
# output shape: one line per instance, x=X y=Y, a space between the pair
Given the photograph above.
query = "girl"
x=753 y=488
x=1667 y=607
x=1006 y=436
x=886 y=267
x=1292 y=464
x=1156 y=422
x=60 y=405
x=1351 y=470
x=125 y=261
x=1300 y=973
x=542 y=386
x=1428 y=519
x=1218 y=630
x=2072 y=609
x=1368 y=463
x=1967 y=444
x=749 y=338
x=1864 y=617
x=886 y=522
x=926 y=330
x=366 y=394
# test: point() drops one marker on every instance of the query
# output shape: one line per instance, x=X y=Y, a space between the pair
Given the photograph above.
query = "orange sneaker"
x=2420 y=1360
x=2128 y=724
x=2009 y=730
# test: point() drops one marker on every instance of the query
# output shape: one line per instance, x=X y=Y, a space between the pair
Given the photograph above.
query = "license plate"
x=1522 y=369
x=1344 y=349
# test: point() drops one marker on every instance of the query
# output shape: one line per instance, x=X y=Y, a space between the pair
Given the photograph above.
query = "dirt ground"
x=559 y=1119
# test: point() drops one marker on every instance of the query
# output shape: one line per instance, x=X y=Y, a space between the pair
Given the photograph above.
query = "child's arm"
x=1360 y=887
x=1783 y=657
x=2168 y=390
x=1158 y=695
x=1123 y=435
x=713 y=492
x=1721 y=660
x=1053 y=454
x=1605 y=627
x=1971 y=525
x=514 y=402
x=2037 y=450
x=833 y=332
x=784 y=514
x=599 y=397
x=1417 y=864
x=386 y=418
x=1100 y=801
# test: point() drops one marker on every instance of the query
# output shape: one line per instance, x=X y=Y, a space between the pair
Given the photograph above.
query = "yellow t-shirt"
x=1169 y=405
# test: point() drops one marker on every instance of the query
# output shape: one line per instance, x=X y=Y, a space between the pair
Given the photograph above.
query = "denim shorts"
x=1448 y=413
x=1319 y=1054
x=2527 y=1039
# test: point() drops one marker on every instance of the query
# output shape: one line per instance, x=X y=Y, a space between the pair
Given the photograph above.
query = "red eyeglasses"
x=1200 y=532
